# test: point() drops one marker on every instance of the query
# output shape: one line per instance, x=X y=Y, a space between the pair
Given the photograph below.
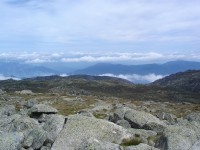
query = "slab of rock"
x=44 y=148
x=143 y=133
x=85 y=113
x=159 y=128
x=195 y=116
x=119 y=113
x=53 y=125
x=2 y=92
x=26 y=92
x=23 y=124
x=192 y=125
x=6 y=122
x=7 y=110
x=177 y=138
x=123 y=123
x=79 y=128
x=11 y=141
x=167 y=116
x=138 y=119
x=196 y=146
x=35 y=138
x=94 y=144
x=41 y=108
x=31 y=102
x=141 y=146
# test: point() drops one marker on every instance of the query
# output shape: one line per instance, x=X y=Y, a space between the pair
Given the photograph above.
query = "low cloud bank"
x=2 y=77
x=136 y=78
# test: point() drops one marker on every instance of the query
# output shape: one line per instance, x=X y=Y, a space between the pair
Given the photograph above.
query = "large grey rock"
x=193 y=117
x=2 y=92
x=31 y=102
x=159 y=128
x=11 y=141
x=23 y=124
x=44 y=148
x=7 y=110
x=53 y=125
x=141 y=146
x=79 y=128
x=138 y=119
x=26 y=92
x=143 y=133
x=192 y=125
x=85 y=113
x=37 y=136
x=167 y=116
x=177 y=138
x=123 y=123
x=6 y=122
x=196 y=146
x=94 y=144
x=41 y=108
x=119 y=113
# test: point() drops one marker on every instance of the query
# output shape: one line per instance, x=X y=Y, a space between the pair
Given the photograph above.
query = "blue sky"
x=100 y=30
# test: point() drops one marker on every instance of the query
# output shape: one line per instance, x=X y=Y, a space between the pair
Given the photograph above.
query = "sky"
x=117 y=31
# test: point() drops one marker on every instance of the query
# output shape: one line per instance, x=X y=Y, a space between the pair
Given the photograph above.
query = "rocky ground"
x=65 y=122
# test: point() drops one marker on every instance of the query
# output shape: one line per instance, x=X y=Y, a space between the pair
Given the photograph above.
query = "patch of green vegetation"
x=100 y=115
x=132 y=141
x=154 y=138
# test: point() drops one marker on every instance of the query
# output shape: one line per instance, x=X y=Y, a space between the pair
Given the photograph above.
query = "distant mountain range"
x=159 y=69
x=24 y=70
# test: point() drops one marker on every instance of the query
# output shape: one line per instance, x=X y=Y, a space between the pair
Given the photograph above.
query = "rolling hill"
x=105 y=86
x=160 y=69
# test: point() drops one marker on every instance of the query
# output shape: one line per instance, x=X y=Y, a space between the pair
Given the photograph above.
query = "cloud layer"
x=91 y=24
x=96 y=57
x=135 y=78
x=2 y=77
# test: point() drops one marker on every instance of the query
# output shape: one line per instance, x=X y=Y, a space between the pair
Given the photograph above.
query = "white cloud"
x=135 y=78
x=2 y=77
x=64 y=75
x=67 y=21
x=95 y=57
